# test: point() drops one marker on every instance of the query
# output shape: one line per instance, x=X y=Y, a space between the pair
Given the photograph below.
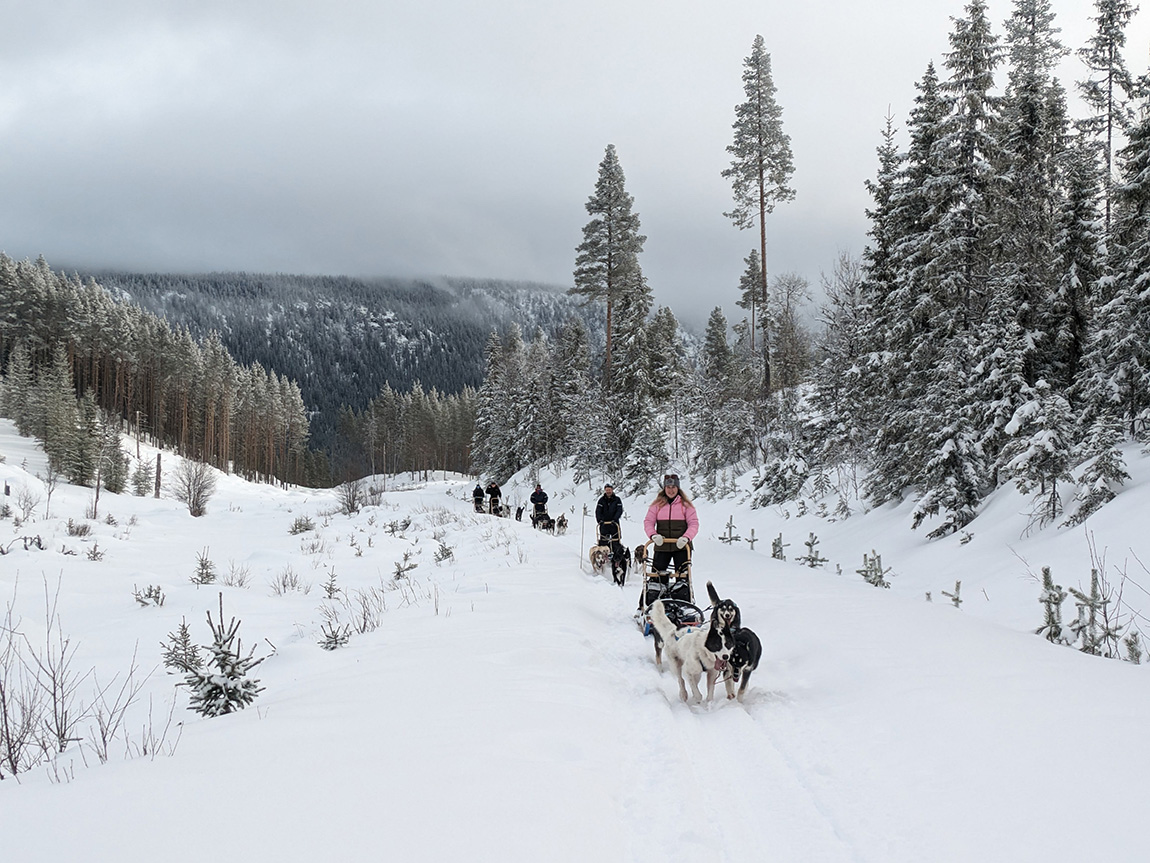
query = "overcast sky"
x=445 y=137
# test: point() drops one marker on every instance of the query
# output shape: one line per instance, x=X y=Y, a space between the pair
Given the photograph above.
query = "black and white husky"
x=693 y=651
x=724 y=610
x=743 y=660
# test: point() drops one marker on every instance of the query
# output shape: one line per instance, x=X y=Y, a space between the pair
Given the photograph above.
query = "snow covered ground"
x=507 y=707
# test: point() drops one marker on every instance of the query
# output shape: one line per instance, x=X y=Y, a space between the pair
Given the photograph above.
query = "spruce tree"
x=1121 y=355
x=716 y=360
x=1103 y=471
x=570 y=387
x=1033 y=138
x=224 y=686
x=1051 y=598
x=180 y=653
x=903 y=310
x=18 y=386
x=751 y=294
x=955 y=279
x=630 y=375
x=761 y=168
x=667 y=356
x=1038 y=454
x=1079 y=256
x=838 y=393
x=56 y=419
x=607 y=261
x=1106 y=89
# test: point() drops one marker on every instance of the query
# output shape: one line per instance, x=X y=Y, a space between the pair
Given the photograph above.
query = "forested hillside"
x=993 y=332
x=344 y=339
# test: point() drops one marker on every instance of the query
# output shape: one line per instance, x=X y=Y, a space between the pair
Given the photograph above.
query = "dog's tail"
x=713 y=594
x=660 y=621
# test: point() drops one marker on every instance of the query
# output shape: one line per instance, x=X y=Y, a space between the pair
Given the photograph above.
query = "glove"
x=681 y=542
x=657 y=539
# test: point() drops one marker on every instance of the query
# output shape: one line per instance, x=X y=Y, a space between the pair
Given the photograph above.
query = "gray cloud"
x=454 y=138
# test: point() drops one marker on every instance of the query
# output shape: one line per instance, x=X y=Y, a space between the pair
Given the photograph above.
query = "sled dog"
x=599 y=555
x=743 y=660
x=693 y=651
x=724 y=610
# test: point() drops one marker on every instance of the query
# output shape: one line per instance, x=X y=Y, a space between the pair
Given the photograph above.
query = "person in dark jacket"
x=608 y=512
x=539 y=499
x=477 y=497
x=494 y=492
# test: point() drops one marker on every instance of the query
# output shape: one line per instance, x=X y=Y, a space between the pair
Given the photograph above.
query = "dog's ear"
x=714 y=642
x=714 y=594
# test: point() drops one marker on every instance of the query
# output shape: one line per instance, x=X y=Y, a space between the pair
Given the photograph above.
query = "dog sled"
x=540 y=519
x=609 y=549
x=673 y=586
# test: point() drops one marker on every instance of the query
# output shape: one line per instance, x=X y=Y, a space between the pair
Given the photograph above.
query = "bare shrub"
x=367 y=608
x=350 y=496
x=21 y=702
x=51 y=479
x=109 y=709
x=314 y=545
x=151 y=743
x=239 y=575
x=194 y=483
x=289 y=581
x=26 y=501
x=150 y=595
x=58 y=680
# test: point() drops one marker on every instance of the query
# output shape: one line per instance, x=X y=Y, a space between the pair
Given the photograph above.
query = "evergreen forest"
x=995 y=329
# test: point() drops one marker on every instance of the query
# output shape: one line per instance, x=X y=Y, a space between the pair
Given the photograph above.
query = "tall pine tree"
x=761 y=169
x=607 y=261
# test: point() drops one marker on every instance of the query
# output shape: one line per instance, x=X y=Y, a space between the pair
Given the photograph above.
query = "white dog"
x=693 y=651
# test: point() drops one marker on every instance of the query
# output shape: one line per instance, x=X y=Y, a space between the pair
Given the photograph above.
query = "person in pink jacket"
x=671 y=523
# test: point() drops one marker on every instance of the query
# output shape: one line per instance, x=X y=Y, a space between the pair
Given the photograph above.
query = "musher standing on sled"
x=608 y=512
x=539 y=498
x=671 y=523
x=494 y=492
x=477 y=497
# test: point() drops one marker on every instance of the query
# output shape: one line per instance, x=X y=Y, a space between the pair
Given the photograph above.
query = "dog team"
x=539 y=517
x=720 y=647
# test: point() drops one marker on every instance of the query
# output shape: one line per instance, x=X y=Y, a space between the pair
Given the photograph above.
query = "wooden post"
x=157 y=475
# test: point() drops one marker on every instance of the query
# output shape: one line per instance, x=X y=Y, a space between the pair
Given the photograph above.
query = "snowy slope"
x=509 y=709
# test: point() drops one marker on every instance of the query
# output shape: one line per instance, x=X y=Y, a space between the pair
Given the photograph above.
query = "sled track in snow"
x=688 y=763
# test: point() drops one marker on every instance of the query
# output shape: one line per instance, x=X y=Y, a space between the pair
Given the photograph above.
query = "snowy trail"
x=508 y=709
x=708 y=781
